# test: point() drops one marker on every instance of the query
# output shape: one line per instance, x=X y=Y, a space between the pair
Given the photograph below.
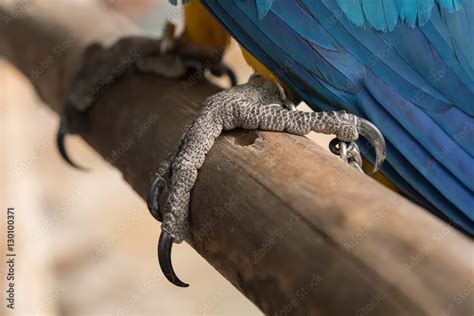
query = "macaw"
x=407 y=66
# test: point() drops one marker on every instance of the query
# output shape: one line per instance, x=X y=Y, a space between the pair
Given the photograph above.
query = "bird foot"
x=258 y=104
x=168 y=57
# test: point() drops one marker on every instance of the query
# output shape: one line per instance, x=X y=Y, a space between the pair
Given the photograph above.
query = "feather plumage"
x=383 y=15
x=263 y=6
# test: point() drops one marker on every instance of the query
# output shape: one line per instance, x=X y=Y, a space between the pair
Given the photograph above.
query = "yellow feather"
x=367 y=167
x=258 y=66
x=201 y=28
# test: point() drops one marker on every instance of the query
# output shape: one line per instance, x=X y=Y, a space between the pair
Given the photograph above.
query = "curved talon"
x=164 y=257
x=222 y=69
x=355 y=154
x=60 y=136
x=231 y=75
x=376 y=140
x=154 y=191
x=357 y=166
x=348 y=152
x=334 y=146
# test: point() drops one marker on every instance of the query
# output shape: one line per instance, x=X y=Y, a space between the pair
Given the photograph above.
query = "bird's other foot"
x=169 y=57
x=258 y=104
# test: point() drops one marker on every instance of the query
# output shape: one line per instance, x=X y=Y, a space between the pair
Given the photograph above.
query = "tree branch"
x=295 y=229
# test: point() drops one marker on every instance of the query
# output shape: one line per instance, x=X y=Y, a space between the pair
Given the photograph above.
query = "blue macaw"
x=406 y=65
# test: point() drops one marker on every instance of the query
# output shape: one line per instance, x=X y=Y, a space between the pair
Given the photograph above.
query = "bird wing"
x=407 y=70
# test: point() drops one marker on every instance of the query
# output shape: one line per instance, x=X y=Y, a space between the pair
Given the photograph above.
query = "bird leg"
x=169 y=57
x=257 y=104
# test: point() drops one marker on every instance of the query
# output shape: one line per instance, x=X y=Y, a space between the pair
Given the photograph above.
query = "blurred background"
x=85 y=242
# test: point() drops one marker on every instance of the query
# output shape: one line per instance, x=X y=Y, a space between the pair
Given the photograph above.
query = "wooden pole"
x=292 y=227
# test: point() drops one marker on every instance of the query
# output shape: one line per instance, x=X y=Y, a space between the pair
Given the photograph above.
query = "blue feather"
x=429 y=135
x=353 y=11
x=263 y=6
x=450 y=5
x=378 y=55
x=424 y=10
x=418 y=157
x=383 y=15
x=407 y=11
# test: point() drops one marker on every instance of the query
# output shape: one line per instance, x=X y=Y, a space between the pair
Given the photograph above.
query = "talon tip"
x=60 y=137
x=232 y=77
x=164 y=257
x=370 y=132
x=152 y=199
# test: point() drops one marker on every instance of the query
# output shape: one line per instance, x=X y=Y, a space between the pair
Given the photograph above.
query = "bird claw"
x=170 y=58
x=165 y=244
x=375 y=138
x=166 y=240
x=222 y=69
x=154 y=190
x=65 y=129
x=60 y=136
x=250 y=106
x=193 y=57
x=349 y=151
x=160 y=181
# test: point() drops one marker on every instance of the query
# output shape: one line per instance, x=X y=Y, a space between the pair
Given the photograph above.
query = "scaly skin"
x=254 y=105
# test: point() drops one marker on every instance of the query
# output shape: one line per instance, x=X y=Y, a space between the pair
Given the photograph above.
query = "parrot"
x=400 y=73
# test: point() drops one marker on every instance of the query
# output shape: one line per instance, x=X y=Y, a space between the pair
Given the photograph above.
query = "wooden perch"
x=290 y=225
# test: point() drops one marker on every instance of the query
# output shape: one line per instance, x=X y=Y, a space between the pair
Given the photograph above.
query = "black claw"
x=60 y=136
x=71 y=122
x=222 y=69
x=232 y=78
x=164 y=257
x=154 y=191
